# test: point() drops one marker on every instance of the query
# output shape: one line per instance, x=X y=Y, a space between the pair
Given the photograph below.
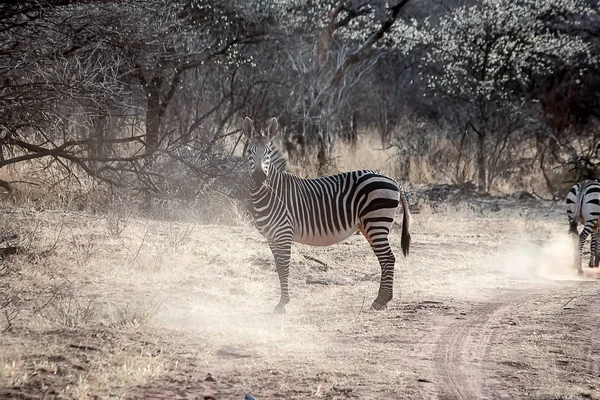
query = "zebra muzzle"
x=258 y=175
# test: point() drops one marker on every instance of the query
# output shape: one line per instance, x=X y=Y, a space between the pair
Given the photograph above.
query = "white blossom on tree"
x=489 y=53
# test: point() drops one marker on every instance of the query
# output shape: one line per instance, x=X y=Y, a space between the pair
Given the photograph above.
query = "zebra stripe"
x=322 y=211
x=583 y=205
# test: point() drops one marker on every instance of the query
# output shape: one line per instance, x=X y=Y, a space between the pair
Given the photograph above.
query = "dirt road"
x=536 y=342
x=482 y=315
x=479 y=356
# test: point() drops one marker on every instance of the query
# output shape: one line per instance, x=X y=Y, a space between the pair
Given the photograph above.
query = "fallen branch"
x=83 y=347
x=570 y=300
x=7 y=251
x=323 y=264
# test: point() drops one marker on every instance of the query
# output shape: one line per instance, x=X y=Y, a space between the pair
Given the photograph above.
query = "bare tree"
x=331 y=46
x=90 y=85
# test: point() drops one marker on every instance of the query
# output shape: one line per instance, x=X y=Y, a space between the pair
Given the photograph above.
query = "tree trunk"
x=153 y=114
x=97 y=146
x=481 y=162
x=103 y=125
x=324 y=154
x=353 y=129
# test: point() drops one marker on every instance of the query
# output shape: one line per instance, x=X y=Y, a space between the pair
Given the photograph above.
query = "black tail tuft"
x=405 y=239
x=573 y=227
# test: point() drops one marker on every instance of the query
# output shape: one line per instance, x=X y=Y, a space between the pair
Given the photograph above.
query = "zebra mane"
x=278 y=160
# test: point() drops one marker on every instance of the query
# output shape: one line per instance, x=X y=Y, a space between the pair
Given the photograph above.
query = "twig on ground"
x=311 y=258
x=7 y=237
x=83 y=347
x=361 y=307
x=570 y=300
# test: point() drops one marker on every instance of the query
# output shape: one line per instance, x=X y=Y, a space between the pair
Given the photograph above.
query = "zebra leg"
x=282 y=249
x=575 y=236
x=378 y=239
x=587 y=229
x=596 y=238
x=593 y=249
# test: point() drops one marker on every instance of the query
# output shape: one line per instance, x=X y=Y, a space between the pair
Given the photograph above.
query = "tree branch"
x=365 y=50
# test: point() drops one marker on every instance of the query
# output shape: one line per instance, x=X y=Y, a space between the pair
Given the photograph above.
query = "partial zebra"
x=321 y=211
x=583 y=205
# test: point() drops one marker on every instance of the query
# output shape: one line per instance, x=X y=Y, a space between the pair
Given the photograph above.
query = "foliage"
x=78 y=76
x=489 y=56
x=148 y=94
x=489 y=51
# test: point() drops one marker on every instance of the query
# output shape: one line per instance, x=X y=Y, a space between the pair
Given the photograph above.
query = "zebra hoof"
x=279 y=310
x=579 y=271
x=378 y=307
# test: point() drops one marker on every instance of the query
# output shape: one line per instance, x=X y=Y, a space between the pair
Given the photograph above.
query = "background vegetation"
x=144 y=98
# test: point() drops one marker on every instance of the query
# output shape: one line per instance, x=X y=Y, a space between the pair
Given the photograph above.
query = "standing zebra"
x=583 y=205
x=322 y=211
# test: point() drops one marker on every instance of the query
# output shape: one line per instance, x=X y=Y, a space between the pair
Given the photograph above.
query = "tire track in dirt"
x=461 y=357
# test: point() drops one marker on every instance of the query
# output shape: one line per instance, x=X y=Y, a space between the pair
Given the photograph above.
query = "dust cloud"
x=242 y=326
x=548 y=259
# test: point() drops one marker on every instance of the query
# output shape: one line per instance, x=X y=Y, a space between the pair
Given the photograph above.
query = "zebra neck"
x=278 y=160
x=265 y=191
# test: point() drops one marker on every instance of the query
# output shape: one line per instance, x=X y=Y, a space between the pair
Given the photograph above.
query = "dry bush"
x=560 y=178
x=71 y=310
x=119 y=212
x=56 y=286
x=41 y=279
x=210 y=207
x=42 y=186
x=132 y=314
x=367 y=153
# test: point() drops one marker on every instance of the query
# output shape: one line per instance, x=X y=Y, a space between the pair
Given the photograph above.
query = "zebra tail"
x=573 y=226
x=405 y=239
x=578 y=206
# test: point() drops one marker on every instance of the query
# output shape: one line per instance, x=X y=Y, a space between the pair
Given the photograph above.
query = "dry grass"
x=368 y=154
x=437 y=166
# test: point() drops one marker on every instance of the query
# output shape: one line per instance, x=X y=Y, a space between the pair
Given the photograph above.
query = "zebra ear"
x=272 y=128
x=248 y=128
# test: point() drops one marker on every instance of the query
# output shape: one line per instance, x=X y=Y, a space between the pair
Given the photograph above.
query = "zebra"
x=583 y=205
x=321 y=211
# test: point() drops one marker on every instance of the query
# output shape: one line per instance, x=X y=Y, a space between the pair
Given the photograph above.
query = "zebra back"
x=586 y=192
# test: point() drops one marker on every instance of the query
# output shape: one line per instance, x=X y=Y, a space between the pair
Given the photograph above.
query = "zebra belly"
x=325 y=239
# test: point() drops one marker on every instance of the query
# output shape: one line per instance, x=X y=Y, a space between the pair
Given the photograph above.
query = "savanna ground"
x=111 y=304
x=114 y=306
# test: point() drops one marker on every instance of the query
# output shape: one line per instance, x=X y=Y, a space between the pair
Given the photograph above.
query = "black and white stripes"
x=583 y=205
x=321 y=211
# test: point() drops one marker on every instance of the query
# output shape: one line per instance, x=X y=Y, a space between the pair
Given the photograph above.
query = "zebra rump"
x=583 y=205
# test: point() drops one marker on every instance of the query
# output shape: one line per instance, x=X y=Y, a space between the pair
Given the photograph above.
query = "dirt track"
x=476 y=358
x=455 y=350
x=477 y=318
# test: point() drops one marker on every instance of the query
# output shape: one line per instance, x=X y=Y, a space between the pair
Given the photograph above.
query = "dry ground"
x=487 y=306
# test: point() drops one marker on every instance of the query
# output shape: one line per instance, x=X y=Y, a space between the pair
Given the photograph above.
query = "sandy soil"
x=487 y=306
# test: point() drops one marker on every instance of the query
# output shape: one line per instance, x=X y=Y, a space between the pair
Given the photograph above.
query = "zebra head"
x=259 y=149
